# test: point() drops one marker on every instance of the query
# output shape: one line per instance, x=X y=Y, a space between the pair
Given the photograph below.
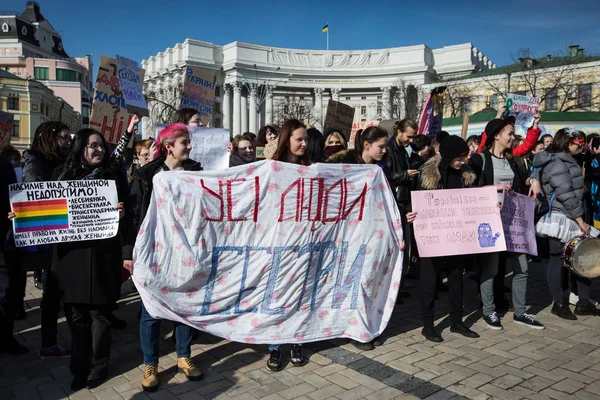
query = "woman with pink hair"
x=172 y=153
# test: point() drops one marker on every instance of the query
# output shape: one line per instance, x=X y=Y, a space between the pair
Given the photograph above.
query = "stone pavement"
x=561 y=362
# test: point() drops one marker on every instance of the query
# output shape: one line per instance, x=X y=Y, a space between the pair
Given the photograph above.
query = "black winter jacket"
x=141 y=194
x=396 y=171
x=519 y=182
x=37 y=167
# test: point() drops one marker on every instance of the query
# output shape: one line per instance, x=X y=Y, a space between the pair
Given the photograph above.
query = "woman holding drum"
x=562 y=183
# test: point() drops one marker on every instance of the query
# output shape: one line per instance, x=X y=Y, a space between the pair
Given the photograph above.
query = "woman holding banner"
x=291 y=148
x=448 y=170
x=497 y=167
x=89 y=271
x=563 y=185
x=172 y=153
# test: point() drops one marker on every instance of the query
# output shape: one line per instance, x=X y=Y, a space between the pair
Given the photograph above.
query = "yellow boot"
x=185 y=365
x=150 y=381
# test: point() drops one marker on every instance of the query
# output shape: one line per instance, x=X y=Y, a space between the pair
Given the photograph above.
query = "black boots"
x=431 y=334
x=563 y=311
x=584 y=307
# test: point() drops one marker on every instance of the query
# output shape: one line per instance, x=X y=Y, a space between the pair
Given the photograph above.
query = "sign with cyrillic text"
x=199 y=92
x=517 y=217
x=457 y=221
x=272 y=252
x=522 y=108
x=131 y=86
x=339 y=116
x=63 y=211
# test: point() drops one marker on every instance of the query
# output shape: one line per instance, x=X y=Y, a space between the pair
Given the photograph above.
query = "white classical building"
x=260 y=85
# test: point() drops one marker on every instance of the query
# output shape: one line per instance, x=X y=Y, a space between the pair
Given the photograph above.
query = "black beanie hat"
x=451 y=147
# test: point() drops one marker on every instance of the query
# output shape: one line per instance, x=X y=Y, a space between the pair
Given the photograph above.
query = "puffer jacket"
x=562 y=182
x=431 y=178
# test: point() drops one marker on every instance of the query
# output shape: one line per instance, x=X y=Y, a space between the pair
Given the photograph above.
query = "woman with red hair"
x=172 y=153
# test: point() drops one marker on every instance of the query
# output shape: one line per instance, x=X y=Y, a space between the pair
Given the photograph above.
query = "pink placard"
x=457 y=221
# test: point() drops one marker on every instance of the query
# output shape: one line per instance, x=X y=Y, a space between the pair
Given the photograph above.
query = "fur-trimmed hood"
x=343 y=157
x=431 y=177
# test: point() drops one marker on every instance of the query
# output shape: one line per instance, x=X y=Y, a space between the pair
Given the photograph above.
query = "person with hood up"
x=448 y=170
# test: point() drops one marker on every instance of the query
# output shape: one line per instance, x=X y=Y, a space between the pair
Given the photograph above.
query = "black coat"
x=396 y=171
x=89 y=272
x=7 y=177
x=37 y=167
x=141 y=194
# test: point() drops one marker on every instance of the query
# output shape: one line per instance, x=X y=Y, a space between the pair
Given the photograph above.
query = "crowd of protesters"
x=85 y=277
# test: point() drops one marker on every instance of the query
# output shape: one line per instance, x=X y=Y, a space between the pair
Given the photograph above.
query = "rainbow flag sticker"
x=43 y=215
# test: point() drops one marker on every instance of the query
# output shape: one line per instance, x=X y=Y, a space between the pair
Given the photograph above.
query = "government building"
x=259 y=85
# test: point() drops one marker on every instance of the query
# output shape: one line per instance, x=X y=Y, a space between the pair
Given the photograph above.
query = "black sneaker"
x=362 y=346
x=493 y=322
x=563 y=311
x=432 y=335
x=56 y=351
x=274 y=361
x=298 y=360
x=585 y=308
x=461 y=329
x=529 y=320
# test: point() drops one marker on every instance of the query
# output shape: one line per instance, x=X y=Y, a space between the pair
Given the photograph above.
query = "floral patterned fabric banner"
x=272 y=252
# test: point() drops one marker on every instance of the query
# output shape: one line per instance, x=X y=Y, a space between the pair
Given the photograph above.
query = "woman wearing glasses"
x=50 y=147
x=89 y=272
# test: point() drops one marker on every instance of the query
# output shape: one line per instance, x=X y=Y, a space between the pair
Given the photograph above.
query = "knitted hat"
x=451 y=147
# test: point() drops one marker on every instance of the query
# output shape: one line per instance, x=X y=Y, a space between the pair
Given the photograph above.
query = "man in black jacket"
x=8 y=343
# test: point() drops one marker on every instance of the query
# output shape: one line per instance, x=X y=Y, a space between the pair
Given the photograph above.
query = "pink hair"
x=169 y=134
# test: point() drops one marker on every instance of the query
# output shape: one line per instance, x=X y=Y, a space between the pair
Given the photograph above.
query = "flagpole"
x=327 y=35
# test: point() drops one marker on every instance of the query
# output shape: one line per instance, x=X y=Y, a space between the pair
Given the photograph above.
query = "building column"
x=419 y=99
x=386 y=96
x=244 y=107
x=269 y=106
x=335 y=94
x=253 y=111
x=319 y=106
x=237 y=110
x=227 y=106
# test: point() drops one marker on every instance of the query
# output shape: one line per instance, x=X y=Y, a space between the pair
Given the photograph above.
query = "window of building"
x=379 y=109
x=363 y=110
x=85 y=111
x=465 y=105
x=41 y=73
x=551 y=99
x=301 y=110
x=67 y=75
x=521 y=92
x=378 y=97
x=347 y=97
x=13 y=103
x=218 y=91
x=217 y=107
x=15 y=128
x=286 y=109
x=363 y=120
x=363 y=98
x=584 y=95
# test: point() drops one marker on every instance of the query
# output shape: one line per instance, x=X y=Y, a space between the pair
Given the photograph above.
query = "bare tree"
x=405 y=101
x=163 y=103
x=457 y=98
x=295 y=108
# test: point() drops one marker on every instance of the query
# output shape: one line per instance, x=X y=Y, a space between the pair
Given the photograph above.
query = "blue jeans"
x=150 y=335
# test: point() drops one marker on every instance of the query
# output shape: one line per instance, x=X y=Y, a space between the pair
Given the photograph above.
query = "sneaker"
x=186 y=365
x=362 y=346
x=431 y=334
x=574 y=299
x=56 y=351
x=528 y=320
x=461 y=329
x=150 y=380
x=584 y=308
x=563 y=311
x=274 y=361
x=493 y=322
x=298 y=360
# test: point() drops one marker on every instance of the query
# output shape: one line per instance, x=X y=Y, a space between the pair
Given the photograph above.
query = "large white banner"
x=272 y=252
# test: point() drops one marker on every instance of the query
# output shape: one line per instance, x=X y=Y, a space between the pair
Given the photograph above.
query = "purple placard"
x=517 y=218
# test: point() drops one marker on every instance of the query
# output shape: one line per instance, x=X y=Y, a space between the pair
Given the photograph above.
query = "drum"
x=582 y=256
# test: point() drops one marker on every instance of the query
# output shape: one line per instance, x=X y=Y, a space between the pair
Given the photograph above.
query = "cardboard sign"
x=199 y=92
x=522 y=108
x=457 y=221
x=6 y=123
x=517 y=218
x=260 y=153
x=131 y=86
x=64 y=211
x=339 y=117
x=272 y=252
x=109 y=108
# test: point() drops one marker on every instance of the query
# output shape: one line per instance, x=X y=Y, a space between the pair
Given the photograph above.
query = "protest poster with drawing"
x=109 y=114
x=6 y=124
x=339 y=116
x=272 y=252
x=199 y=92
x=64 y=211
x=457 y=221
x=209 y=146
x=517 y=218
x=522 y=108
x=131 y=86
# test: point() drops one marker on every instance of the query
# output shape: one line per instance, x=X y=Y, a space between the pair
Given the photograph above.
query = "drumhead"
x=586 y=258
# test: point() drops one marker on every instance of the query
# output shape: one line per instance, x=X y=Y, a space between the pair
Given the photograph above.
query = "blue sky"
x=138 y=29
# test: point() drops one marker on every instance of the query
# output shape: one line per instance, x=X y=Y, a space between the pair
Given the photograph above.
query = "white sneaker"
x=573 y=299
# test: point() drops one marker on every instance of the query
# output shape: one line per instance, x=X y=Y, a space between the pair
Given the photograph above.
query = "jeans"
x=489 y=269
x=519 y=283
x=150 y=335
x=90 y=341
x=430 y=274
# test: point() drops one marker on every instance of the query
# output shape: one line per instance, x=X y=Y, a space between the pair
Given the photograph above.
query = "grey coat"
x=562 y=177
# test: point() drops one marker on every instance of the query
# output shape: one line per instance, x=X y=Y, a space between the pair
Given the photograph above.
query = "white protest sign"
x=272 y=252
x=64 y=211
x=522 y=108
x=131 y=86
